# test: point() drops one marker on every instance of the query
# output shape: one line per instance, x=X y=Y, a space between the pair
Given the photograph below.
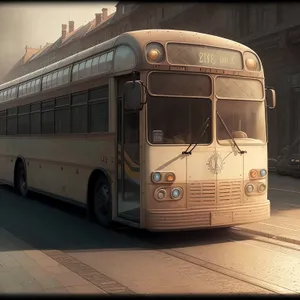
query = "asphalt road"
x=133 y=261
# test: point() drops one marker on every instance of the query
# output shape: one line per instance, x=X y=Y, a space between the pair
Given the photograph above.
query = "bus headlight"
x=176 y=193
x=161 y=194
x=251 y=62
x=156 y=177
x=249 y=188
x=155 y=53
x=263 y=173
x=262 y=187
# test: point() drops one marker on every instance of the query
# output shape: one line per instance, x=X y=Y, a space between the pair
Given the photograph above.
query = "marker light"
x=176 y=193
x=161 y=194
x=250 y=188
x=156 y=177
x=155 y=53
x=261 y=187
x=253 y=173
x=263 y=173
x=251 y=62
x=170 y=177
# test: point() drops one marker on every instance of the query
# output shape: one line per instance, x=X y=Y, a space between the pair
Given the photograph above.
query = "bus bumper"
x=168 y=220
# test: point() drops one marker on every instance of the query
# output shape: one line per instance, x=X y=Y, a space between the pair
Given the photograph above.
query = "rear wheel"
x=21 y=180
x=102 y=202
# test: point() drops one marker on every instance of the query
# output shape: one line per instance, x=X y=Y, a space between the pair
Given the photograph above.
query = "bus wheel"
x=102 y=202
x=21 y=180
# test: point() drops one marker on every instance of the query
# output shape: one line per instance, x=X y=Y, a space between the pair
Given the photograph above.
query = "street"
x=49 y=247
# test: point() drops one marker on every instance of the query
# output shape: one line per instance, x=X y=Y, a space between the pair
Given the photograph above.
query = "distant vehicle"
x=158 y=129
x=288 y=162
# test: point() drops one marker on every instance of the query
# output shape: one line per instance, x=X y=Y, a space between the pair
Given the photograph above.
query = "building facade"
x=270 y=29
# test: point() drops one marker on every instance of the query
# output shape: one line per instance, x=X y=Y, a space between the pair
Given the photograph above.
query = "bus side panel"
x=62 y=165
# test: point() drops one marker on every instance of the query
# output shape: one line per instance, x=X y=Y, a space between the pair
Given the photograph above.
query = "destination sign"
x=197 y=55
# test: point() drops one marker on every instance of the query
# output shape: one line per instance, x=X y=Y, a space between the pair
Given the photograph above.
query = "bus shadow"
x=45 y=223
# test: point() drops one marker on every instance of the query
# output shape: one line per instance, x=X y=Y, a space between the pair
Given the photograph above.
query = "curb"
x=269 y=235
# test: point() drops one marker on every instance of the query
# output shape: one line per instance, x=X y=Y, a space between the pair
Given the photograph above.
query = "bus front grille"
x=205 y=194
x=201 y=194
x=229 y=192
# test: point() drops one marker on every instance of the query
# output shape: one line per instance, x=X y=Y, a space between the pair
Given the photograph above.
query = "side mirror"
x=271 y=98
x=132 y=95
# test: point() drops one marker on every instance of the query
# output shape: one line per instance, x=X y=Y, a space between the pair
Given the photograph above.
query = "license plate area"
x=221 y=218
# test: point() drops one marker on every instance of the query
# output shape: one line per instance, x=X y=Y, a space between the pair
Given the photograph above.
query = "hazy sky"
x=35 y=24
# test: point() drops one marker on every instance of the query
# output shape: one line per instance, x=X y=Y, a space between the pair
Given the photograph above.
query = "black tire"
x=21 y=180
x=102 y=202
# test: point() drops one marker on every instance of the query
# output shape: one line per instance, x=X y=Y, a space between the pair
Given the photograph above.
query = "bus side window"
x=60 y=77
x=81 y=71
x=102 y=63
x=44 y=86
x=37 y=85
x=1 y=96
x=35 y=118
x=32 y=87
x=75 y=72
x=66 y=75
x=95 y=65
x=109 y=60
x=2 y=121
x=48 y=117
x=79 y=113
x=54 y=79
x=88 y=67
x=48 y=84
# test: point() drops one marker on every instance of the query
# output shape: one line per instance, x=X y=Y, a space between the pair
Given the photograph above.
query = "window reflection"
x=178 y=120
x=244 y=119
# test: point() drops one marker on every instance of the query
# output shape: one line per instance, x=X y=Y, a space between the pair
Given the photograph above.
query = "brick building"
x=271 y=29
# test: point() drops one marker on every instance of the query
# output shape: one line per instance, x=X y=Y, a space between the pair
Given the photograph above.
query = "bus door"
x=128 y=206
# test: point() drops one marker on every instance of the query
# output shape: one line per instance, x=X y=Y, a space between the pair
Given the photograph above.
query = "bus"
x=157 y=129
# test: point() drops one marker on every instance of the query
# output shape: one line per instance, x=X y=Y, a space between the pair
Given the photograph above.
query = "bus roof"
x=137 y=40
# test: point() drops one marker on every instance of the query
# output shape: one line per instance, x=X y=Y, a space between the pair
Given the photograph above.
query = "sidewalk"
x=26 y=270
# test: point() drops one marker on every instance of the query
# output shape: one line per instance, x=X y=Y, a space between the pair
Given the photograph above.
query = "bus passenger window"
x=88 y=67
x=35 y=118
x=32 y=87
x=59 y=77
x=28 y=87
x=98 y=113
x=37 y=85
x=102 y=63
x=54 y=80
x=48 y=117
x=12 y=121
x=24 y=119
x=44 y=86
x=66 y=75
x=79 y=113
x=62 y=115
x=75 y=72
x=48 y=84
x=109 y=59
x=2 y=121
x=95 y=65
x=5 y=95
x=8 y=94
x=81 y=71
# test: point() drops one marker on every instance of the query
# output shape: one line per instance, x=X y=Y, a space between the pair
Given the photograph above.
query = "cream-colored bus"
x=160 y=129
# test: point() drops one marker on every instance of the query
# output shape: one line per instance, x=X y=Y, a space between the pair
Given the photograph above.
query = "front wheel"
x=102 y=202
x=21 y=183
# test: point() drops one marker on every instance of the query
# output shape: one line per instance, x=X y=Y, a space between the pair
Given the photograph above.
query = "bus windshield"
x=177 y=120
x=245 y=120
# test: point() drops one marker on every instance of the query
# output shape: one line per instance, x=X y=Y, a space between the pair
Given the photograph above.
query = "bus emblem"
x=215 y=163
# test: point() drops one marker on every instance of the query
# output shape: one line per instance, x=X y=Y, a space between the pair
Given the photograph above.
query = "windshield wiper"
x=205 y=125
x=232 y=138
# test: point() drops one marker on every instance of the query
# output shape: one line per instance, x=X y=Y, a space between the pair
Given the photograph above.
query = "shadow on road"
x=46 y=223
